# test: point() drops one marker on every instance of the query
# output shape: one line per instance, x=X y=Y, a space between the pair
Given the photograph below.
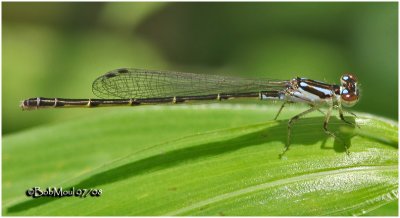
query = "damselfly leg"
x=291 y=122
x=288 y=102
x=280 y=110
x=343 y=119
x=327 y=117
x=325 y=127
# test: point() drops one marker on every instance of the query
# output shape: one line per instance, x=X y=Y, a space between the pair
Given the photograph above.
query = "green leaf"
x=203 y=160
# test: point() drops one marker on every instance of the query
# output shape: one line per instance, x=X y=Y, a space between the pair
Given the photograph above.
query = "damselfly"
x=133 y=87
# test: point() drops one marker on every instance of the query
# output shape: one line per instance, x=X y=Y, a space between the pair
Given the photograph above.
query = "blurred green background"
x=58 y=49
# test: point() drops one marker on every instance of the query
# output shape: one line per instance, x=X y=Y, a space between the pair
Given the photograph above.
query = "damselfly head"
x=349 y=92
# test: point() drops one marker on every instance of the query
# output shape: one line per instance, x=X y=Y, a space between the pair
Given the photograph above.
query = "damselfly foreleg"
x=342 y=117
x=347 y=111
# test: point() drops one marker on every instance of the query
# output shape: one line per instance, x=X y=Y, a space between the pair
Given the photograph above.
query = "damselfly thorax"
x=134 y=87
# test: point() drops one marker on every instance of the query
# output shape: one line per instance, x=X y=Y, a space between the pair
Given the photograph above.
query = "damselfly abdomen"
x=133 y=87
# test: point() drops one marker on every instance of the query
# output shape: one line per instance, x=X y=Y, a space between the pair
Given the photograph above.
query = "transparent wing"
x=137 y=83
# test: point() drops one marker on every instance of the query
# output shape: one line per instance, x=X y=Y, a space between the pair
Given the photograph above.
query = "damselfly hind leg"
x=290 y=123
x=280 y=109
x=283 y=105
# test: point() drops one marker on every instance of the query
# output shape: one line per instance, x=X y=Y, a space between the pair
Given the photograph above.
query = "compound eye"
x=348 y=78
x=349 y=99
